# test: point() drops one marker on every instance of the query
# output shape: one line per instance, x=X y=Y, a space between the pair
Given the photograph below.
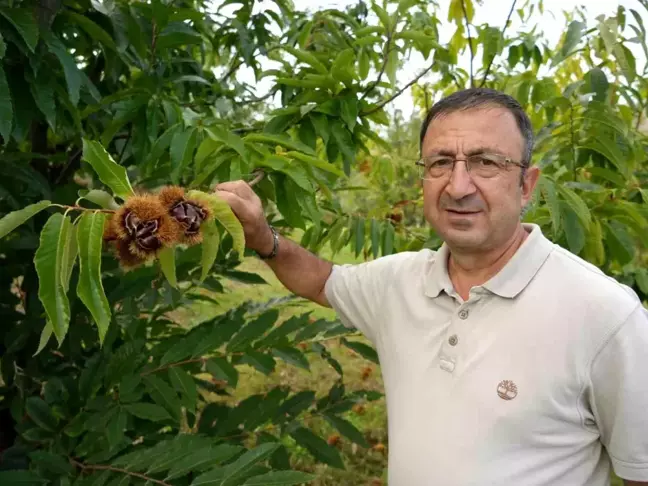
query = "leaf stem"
x=101 y=467
x=508 y=19
x=382 y=69
x=470 y=46
x=81 y=208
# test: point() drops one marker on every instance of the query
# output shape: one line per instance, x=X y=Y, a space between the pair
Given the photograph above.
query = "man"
x=506 y=359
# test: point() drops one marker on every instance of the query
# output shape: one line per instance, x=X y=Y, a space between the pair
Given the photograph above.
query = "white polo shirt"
x=540 y=378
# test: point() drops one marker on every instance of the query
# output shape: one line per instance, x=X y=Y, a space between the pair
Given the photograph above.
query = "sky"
x=492 y=12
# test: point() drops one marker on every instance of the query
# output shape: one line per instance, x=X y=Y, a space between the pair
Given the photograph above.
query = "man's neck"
x=467 y=270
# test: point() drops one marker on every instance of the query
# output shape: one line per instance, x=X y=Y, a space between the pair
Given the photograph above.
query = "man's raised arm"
x=299 y=270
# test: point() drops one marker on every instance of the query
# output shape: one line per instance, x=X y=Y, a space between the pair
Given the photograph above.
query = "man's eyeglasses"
x=482 y=165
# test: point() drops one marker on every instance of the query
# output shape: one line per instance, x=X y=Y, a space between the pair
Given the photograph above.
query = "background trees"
x=136 y=388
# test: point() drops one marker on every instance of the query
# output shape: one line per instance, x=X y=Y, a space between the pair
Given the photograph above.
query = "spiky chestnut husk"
x=127 y=259
x=190 y=214
x=145 y=225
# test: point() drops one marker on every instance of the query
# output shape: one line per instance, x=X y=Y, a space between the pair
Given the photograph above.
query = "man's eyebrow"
x=475 y=151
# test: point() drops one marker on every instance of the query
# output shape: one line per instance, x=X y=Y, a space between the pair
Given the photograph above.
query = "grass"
x=363 y=466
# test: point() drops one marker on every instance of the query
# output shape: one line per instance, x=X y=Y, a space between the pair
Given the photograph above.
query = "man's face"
x=472 y=213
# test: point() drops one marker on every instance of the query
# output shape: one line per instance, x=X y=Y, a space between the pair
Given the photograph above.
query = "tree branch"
x=100 y=467
x=232 y=70
x=470 y=46
x=397 y=94
x=508 y=19
x=386 y=50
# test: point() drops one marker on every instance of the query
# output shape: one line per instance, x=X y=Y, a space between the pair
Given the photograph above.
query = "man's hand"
x=247 y=207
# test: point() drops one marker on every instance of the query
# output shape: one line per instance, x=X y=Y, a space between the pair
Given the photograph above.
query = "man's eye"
x=485 y=162
x=440 y=163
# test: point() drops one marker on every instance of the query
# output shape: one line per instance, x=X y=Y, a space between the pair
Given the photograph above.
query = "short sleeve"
x=356 y=292
x=619 y=394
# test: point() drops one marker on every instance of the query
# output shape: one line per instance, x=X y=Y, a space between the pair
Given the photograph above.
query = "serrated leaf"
x=388 y=239
x=163 y=395
x=183 y=145
x=204 y=457
x=253 y=330
x=316 y=162
x=349 y=112
x=382 y=15
x=230 y=139
x=225 y=216
x=92 y=29
x=280 y=139
x=575 y=32
x=574 y=231
x=261 y=361
x=90 y=287
x=292 y=356
x=23 y=20
x=70 y=249
x=148 y=411
x=618 y=240
x=21 y=478
x=48 y=261
x=347 y=429
x=183 y=382
x=641 y=278
x=392 y=66
x=307 y=58
x=14 y=219
x=246 y=461
x=168 y=265
x=109 y=172
x=43 y=93
x=115 y=428
x=548 y=191
x=41 y=413
x=359 y=232
x=100 y=198
x=73 y=76
x=210 y=244
x=362 y=349
x=6 y=108
x=221 y=369
x=344 y=142
x=317 y=447
x=46 y=334
x=280 y=478
x=375 y=237
x=342 y=68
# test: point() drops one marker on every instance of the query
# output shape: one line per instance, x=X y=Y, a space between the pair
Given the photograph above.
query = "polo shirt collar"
x=510 y=280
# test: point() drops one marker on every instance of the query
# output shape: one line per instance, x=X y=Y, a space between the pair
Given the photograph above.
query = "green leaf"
x=388 y=239
x=342 y=69
x=48 y=261
x=392 y=66
x=92 y=29
x=163 y=394
x=610 y=151
x=280 y=478
x=182 y=381
x=14 y=219
x=618 y=240
x=349 y=112
x=46 y=334
x=344 y=142
x=168 y=265
x=71 y=71
x=281 y=139
x=230 y=139
x=548 y=191
x=260 y=361
x=221 y=369
x=21 y=478
x=347 y=429
x=203 y=458
x=245 y=462
x=375 y=237
x=306 y=58
x=43 y=93
x=115 y=428
x=183 y=145
x=70 y=248
x=292 y=356
x=6 y=107
x=90 y=287
x=41 y=413
x=316 y=162
x=362 y=349
x=359 y=231
x=491 y=38
x=100 y=198
x=641 y=278
x=317 y=447
x=23 y=20
x=109 y=172
x=382 y=15
x=3 y=47
x=575 y=32
x=210 y=243
x=225 y=216
x=253 y=330
x=574 y=231
x=148 y=411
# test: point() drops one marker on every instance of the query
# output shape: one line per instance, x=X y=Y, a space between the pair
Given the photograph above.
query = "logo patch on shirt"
x=507 y=390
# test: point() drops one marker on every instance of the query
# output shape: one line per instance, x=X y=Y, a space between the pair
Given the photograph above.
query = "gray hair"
x=478 y=97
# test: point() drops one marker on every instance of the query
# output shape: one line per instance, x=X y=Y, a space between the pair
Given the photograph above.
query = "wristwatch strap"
x=275 y=246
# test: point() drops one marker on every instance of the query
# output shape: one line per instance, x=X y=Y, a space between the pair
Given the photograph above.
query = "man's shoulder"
x=580 y=279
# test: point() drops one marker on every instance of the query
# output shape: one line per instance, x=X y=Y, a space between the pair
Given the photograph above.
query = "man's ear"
x=529 y=181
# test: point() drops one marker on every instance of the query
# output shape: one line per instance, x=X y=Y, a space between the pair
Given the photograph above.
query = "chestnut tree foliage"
x=105 y=104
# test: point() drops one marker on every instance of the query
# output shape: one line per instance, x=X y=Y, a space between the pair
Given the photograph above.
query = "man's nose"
x=460 y=184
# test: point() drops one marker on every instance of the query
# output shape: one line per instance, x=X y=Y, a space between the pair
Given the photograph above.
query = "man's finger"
x=236 y=202
x=237 y=187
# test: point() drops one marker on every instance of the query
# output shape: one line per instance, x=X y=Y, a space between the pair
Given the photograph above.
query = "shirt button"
x=447 y=365
x=463 y=314
x=453 y=340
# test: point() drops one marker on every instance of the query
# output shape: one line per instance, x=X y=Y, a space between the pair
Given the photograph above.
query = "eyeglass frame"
x=506 y=160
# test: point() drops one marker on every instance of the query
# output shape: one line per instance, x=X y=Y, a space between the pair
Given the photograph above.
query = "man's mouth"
x=461 y=211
